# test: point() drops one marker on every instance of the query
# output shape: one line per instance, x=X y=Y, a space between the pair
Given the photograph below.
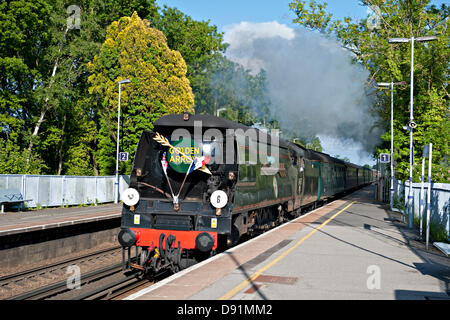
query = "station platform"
x=22 y=222
x=353 y=248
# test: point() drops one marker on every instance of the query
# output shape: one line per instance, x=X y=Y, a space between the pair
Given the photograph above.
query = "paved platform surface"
x=19 y=222
x=353 y=248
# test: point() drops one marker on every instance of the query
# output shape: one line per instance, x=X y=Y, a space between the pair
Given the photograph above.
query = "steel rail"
x=55 y=265
x=109 y=288
x=60 y=287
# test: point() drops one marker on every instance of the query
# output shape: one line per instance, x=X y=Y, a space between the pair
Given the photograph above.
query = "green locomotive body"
x=255 y=181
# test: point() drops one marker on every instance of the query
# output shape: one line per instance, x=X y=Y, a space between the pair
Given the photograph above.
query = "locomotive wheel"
x=234 y=237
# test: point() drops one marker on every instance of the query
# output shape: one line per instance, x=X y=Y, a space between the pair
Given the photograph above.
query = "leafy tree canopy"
x=133 y=50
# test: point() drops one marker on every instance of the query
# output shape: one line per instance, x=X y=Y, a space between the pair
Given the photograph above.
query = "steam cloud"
x=313 y=84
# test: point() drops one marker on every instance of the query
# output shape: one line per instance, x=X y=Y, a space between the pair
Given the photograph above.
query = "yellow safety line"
x=246 y=282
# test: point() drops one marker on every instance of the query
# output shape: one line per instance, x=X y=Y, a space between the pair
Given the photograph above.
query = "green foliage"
x=14 y=161
x=133 y=50
x=392 y=62
x=201 y=46
x=23 y=40
x=198 y=42
x=55 y=121
x=316 y=145
x=346 y=159
x=43 y=80
x=437 y=232
x=239 y=95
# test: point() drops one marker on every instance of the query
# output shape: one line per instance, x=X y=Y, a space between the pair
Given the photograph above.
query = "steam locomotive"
x=200 y=183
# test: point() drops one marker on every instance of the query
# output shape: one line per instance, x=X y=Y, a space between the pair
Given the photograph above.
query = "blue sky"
x=225 y=12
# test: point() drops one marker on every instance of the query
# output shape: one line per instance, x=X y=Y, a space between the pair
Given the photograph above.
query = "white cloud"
x=256 y=30
x=241 y=37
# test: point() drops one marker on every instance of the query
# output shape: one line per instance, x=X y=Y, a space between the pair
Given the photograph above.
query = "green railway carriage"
x=351 y=176
x=258 y=183
x=360 y=175
x=200 y=182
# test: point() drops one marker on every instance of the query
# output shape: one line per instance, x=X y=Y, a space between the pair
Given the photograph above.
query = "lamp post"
x=391 y=85
x=411 y=123
x=116 y=189
x=218 y=111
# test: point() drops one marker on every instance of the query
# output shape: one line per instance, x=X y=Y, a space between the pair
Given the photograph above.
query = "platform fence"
x=51 y=191
x=440 y=203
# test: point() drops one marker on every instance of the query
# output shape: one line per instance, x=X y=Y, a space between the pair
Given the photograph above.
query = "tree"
x=23 y=42
x=346 y=159
x=70 y=119
x=242 y=94
x=44 y=105
x=133 y=50
x=12 y=160
x=46 y=110
x=315 y=144
x=199 y=43
x=368 y=42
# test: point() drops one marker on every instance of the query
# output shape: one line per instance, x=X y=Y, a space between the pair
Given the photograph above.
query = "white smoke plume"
x=313 y=84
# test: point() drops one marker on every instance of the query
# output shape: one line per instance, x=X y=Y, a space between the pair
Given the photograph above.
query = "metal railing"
x=50 y=191
x=439 y=204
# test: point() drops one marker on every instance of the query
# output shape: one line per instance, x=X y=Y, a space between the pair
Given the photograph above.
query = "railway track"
x=105 y=283
x=114 y=289
x=18 y=284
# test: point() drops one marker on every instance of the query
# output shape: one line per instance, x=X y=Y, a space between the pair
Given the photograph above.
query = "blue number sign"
x=385 y=158
x=123 y=156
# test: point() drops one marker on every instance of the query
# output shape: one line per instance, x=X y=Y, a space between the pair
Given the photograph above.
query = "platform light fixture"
x=219 y=110
x=411 y=120
x=116 y=189
x=391 y=86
